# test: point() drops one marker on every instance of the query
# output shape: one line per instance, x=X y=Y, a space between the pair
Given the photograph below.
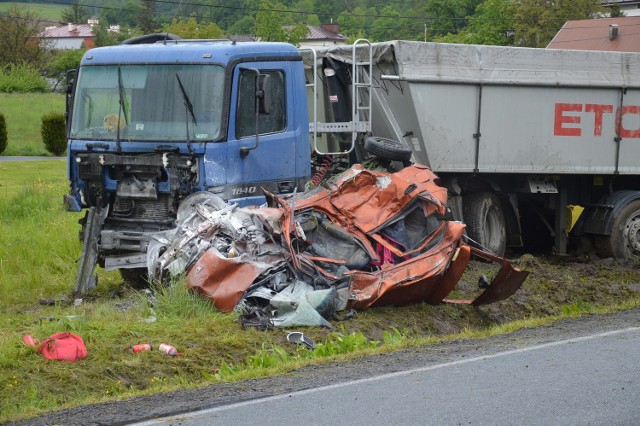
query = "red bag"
x=63 y=346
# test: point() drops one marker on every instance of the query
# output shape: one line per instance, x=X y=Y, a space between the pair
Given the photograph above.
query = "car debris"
x=366 y=238
x=298 y=338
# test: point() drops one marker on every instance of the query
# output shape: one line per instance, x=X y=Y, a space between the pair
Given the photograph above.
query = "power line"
x=300 y=12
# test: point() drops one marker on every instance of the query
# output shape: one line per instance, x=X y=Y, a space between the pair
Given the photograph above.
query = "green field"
x=23 y=113
x=47 y=11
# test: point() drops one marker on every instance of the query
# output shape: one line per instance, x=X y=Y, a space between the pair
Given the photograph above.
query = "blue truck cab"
x=150 y=124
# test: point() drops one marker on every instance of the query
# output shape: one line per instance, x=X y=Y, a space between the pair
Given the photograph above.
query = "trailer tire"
x=387 y=149
x=485 y=221
x=624 y=240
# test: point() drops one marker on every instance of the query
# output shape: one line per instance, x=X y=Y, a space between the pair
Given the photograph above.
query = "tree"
x=121 y=12
x=390 y=26
x=62 y=61
x=269 y=25
x=191 y=28
x=328 y=9
x=446 y=16
x=105 y=37
x=19 y=41
x=146 y=17
x=491 y=24
x=246 y=25
x=616 y=12
x=536 y=22
x=357 y=23
x=74 y=14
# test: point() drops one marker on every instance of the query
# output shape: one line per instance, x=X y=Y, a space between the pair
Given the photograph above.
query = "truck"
x=533 y=145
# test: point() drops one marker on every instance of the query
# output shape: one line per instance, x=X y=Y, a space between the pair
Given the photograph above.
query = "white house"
x=70 y=36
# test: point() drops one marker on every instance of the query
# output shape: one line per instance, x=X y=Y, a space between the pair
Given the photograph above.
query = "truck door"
x=272 y=164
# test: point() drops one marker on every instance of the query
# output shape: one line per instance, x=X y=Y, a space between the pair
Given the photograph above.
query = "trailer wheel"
x=485 y=221
x=624 y=241
x=387 y=149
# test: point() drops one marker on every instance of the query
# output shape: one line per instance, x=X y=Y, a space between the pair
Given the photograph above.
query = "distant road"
x=6 y=159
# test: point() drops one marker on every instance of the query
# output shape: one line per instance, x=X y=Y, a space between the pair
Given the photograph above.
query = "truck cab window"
x=147 y=102
x=273 y=122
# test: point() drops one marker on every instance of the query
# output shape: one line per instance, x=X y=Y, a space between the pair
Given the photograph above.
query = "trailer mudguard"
x=598 y=218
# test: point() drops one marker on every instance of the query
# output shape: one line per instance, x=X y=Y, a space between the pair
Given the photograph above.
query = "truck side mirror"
x=263 y=93
x=262 y=105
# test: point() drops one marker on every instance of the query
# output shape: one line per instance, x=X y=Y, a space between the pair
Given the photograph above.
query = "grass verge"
x=38 y=253
x=23 y=112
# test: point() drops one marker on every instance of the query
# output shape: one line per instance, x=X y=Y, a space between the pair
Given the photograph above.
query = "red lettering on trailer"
x=563 y=116
x=599 y=110
x=561 y=119
x=625 y=133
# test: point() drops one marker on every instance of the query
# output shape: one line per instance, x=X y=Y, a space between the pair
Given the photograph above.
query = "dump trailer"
x=534 y=145
x=513 y=134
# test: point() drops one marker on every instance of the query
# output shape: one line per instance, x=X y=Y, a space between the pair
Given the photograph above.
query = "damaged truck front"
x=150 y=124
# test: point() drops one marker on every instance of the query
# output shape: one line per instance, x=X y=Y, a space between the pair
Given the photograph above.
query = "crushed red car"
x=366 y=238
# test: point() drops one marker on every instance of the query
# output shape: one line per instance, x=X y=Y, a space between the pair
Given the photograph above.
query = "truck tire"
x=387 y=149
x=201 y=197
x=624 y=241
x=485 y=221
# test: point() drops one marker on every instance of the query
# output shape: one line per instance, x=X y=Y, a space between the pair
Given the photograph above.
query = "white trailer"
x=519 y=136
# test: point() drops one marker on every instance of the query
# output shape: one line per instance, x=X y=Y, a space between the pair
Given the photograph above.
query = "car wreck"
x=365 y=238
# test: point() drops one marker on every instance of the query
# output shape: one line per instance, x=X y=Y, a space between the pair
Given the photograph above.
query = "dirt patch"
x=555 y=283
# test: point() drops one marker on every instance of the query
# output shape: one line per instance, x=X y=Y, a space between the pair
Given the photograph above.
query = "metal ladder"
x=358 y=105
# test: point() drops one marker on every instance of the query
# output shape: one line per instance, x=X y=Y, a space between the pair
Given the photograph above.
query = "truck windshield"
x=148 y=103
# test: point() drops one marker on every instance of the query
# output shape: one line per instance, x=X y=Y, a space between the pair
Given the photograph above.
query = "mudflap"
x=504 y=284
x=86 y=278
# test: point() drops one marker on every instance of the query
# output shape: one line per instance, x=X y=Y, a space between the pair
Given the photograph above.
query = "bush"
x=3 y=133
x=53 y=131
x=22 y=78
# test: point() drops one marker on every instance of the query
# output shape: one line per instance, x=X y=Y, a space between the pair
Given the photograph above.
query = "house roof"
x=593 y=34
x=319 y=33
x=68 y=31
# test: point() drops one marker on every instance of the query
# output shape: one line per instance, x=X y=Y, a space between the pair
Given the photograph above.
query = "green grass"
x=50 y=12
x=38 y=253
x=23 y=114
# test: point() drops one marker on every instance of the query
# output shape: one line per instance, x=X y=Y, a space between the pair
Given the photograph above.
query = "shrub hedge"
x=3 y=133
x=22 y=78
x=53 y=131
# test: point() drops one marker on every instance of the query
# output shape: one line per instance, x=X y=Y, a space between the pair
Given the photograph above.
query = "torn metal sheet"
x=367 y=238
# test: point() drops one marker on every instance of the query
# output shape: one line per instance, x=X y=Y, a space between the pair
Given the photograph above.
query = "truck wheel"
x=624 y=241
x=387 y=149
x=485 y=221
x=188 y=205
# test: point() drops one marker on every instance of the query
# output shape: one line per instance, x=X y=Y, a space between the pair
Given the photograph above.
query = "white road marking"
x=208 y=411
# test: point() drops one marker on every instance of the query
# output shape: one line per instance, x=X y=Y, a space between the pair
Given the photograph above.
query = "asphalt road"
x=592 y=379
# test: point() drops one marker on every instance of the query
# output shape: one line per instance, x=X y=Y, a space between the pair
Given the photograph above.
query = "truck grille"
x=147 y=211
